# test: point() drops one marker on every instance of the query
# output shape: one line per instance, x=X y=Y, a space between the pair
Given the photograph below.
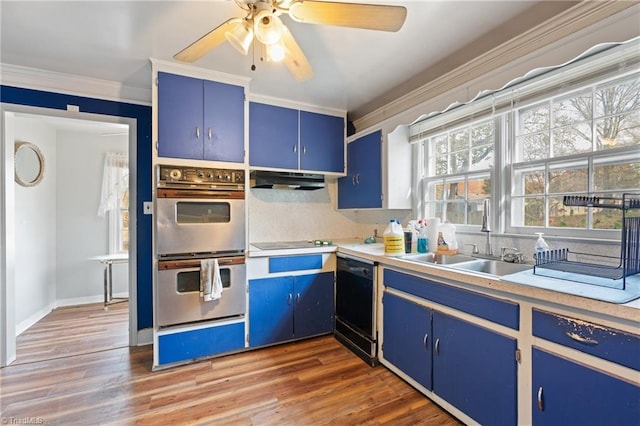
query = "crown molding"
x=33 y=78
x=579 y=17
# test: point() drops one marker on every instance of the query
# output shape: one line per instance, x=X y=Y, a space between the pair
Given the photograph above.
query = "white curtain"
x=115 y=181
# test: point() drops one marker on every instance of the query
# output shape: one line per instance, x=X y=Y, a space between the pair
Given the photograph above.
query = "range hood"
x=286 y=180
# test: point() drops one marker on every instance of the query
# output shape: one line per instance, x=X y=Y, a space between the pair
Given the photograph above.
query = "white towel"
x=210 y=280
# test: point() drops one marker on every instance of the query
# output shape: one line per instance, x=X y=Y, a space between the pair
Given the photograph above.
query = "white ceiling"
x=355 y=70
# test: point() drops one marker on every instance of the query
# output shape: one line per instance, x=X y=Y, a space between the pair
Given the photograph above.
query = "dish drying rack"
x=629 y=259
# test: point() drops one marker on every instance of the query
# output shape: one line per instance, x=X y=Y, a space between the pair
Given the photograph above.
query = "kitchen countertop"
x=501 y=287
x=300 y=249
x=375 y=252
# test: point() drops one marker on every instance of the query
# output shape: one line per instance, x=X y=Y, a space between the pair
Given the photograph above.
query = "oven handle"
x=200 y=193
x=195 y=263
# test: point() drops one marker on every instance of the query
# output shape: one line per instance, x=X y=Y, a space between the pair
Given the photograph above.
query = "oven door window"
x=203 y=212
x=190 y=281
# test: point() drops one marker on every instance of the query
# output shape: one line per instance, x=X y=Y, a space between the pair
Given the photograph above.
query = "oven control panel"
x=206 y=177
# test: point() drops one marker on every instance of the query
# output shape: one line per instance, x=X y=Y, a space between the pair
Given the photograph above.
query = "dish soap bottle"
x=447 y=243
x=393 y=239
x=423 y=241
x=541 y=244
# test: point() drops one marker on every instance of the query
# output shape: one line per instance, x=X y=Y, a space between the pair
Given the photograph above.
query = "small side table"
x=107 y=262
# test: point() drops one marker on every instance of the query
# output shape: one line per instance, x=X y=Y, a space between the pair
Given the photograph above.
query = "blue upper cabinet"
x=286 y=138
x=321 y=142
x=223 y=122
x=273 y=136
x=200 y=119
x=362 y=186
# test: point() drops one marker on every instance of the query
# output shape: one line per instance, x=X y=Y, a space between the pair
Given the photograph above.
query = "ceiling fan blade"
x=207 y=42
x=355 y=15
x=294 y=58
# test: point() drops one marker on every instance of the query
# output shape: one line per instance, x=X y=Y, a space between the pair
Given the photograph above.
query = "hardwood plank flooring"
x=74 y=330
x=313 y=382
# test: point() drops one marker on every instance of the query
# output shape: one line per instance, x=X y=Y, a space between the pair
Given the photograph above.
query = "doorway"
x=73 y=279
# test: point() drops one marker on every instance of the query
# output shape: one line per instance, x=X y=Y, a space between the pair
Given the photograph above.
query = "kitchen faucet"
x=486 y=227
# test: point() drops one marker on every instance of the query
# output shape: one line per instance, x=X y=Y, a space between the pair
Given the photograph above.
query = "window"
x=114 y=200
x=581 y=143
x=458 y=171
x=119 y=223
x=571 y=131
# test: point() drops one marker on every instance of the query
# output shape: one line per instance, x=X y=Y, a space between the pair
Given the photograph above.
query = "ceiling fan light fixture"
x=240 y=37
x=275 y=51
x=267 y=27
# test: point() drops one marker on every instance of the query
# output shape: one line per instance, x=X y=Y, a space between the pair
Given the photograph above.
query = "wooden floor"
x=313 y=382
x=74 y=330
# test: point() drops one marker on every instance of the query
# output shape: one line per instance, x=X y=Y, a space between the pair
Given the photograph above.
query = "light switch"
x=147 y=207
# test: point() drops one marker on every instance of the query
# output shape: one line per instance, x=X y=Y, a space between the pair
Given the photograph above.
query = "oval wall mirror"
x=29 y=164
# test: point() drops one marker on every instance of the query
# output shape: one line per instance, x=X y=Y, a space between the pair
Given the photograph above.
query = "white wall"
x=80 y=232
x=35 y=231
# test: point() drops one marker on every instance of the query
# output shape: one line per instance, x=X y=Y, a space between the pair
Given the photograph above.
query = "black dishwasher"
x=355 y=325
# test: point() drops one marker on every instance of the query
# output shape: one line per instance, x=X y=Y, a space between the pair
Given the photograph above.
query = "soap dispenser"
x=541 y=244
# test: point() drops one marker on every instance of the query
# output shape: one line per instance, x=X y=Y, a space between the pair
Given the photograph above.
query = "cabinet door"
x=368 y=155
x=180 y=106
x=347 y=188
x=273 y=136
x=407 y=337
x=362 y=187
x=198 y=343
x=270 y=310
x=565 y=392
x=313 y=312
x=223 y=122
x=475 y=370
x=321 y=142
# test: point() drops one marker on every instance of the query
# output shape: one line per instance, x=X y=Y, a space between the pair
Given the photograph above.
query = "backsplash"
x=526 y=243
x=290 y=215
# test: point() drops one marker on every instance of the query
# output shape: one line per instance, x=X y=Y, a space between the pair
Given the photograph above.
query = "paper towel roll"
x=433 y=223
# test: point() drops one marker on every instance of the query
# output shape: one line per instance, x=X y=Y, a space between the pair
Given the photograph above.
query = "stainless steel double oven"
x=200 y=216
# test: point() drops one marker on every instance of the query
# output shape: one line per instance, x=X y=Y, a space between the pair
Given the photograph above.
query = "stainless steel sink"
x=439 y=259
x=492 y=267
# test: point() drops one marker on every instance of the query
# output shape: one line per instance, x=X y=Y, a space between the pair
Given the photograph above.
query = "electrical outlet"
x=147 y=207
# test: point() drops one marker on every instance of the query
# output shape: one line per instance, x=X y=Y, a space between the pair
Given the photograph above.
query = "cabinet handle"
x=353 y=180
x=209 y=133
x=297 y=298
x=198 y=132
x=358 y=178
x=295 y=149
x=437 y=346
x=581 y=339
x=289 y=299
x=540 y=399
x=424 y=341
x=304 y=150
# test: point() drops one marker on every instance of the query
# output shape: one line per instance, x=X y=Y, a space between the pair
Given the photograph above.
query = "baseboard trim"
x=86 y=300
x=34 y=318
x=145 y=337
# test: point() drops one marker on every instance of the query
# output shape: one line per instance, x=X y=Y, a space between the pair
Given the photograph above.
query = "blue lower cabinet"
x=407 y=338
x=314 y=307
x=499 y=311
x=188 y=345
x=594 y=339
x=270 y=310
x=475 y=369
x=290 y=307
x=565 y=392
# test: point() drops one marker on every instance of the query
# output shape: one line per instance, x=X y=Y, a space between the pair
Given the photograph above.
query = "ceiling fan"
x=262 y=24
